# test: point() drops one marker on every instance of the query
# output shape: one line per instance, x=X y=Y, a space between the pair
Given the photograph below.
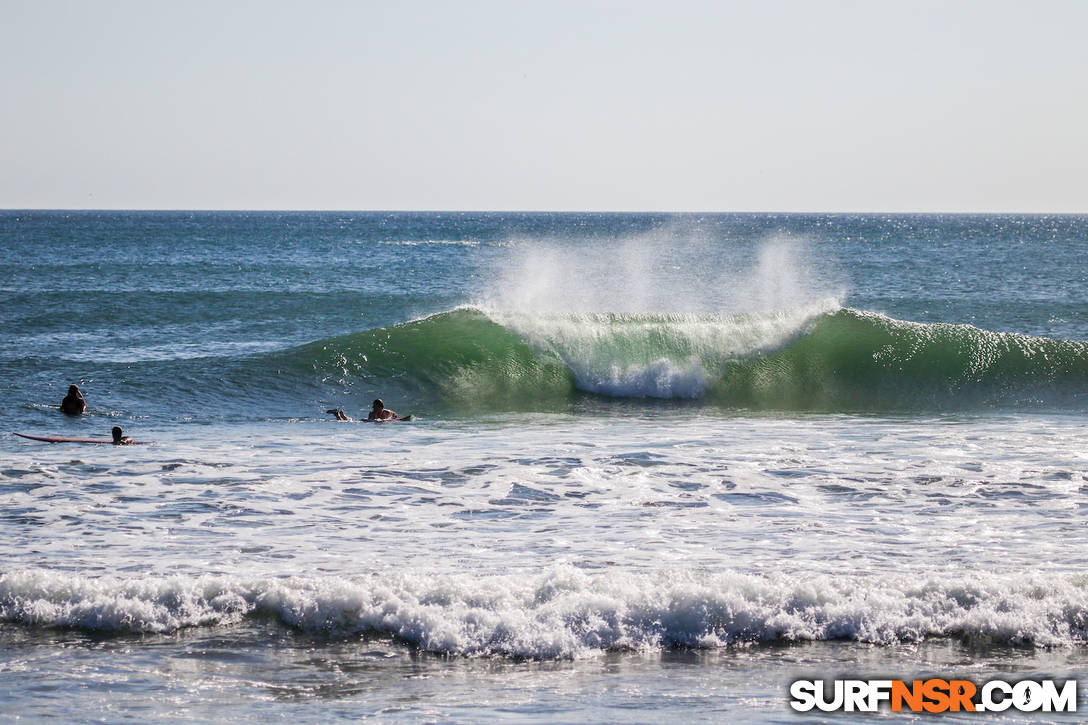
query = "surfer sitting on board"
x=118 y=439
x=379 y=412
x=73 y=403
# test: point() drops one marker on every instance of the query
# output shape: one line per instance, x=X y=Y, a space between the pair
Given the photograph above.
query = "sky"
x=769 y=105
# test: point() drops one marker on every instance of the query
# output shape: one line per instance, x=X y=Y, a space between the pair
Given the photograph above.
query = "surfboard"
x=402 y=419
x=63 y=439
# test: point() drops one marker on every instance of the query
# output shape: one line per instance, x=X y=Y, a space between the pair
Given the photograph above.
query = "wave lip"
x=568 y=613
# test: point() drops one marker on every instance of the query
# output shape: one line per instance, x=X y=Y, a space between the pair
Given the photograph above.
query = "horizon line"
x=530 y=211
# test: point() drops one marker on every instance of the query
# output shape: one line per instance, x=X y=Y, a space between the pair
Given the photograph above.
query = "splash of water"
x=663 y=272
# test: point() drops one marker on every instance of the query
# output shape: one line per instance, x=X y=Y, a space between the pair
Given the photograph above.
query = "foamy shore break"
x=568 y=613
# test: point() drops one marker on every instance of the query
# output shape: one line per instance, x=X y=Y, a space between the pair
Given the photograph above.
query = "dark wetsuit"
x=73 y=404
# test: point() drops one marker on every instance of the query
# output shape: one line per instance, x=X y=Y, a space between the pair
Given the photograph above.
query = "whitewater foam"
x=656 y=356
x=566 y=612
x=661 y=378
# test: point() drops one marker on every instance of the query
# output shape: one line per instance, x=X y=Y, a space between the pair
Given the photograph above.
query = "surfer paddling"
x=119 y=439
x=378 y=414
x=73 y=403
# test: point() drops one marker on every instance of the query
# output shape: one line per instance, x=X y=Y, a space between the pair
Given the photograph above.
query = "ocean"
x=660 y=465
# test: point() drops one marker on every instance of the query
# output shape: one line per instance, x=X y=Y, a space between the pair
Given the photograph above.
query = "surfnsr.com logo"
x=933 y=695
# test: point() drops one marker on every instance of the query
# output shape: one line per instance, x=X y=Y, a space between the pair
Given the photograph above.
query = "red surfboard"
x=62 y=439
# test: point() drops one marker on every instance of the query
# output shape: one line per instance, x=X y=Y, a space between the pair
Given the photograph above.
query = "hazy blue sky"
x=708 y=106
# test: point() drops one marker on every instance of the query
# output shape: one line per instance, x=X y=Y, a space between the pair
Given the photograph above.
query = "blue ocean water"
x=661 y=464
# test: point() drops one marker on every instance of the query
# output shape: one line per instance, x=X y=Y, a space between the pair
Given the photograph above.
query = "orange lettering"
x=911 y=695
x=936 y=691
x=961 y=692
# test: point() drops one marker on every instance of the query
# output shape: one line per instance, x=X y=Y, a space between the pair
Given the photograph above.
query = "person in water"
x=73 y=403
x=379 y=412
x=118 y=438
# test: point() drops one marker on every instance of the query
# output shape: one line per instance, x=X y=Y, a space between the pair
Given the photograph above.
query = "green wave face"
x=852 y=360
x=818 y=358
x=458 y=358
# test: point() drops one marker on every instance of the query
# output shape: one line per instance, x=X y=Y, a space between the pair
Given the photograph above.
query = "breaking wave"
x=567 y=612
x=819 y=357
